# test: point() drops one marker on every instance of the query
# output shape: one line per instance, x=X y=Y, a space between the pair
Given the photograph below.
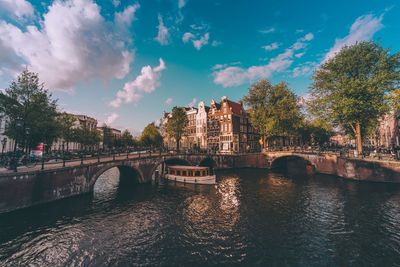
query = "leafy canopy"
x=354 y=86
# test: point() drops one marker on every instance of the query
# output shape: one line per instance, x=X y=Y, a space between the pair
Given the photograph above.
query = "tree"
x=31 y=111
x=66 y=122
x=151 y=136
x=126 y=139
x=316 y=131
x=273 y=109
x=86 y=137
x=176 y=124
x=108 y=137
x=351 y=89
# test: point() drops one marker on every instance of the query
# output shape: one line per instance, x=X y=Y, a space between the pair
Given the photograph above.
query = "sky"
x=125 y=62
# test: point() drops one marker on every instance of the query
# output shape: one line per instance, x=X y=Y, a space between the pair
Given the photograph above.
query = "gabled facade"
x=213 y=126
x=201 y=125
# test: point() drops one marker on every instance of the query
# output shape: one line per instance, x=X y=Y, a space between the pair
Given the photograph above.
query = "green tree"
x=176 y=124
x=31 y=111
x=108 y=137
x=273 y=109
x=151 y=136
x=352 y=88
x=66 y=122
x=86 y=137
x=126 y=139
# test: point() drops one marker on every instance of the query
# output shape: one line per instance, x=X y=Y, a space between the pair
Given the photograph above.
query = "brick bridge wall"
x=19 y=190
x=349 y=168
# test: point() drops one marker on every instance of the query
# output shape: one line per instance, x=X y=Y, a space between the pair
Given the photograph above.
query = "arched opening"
x=292 y=165
x=210 y=163
x=115 y=182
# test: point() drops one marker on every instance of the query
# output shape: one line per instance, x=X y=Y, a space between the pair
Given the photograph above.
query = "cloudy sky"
x=126 y=61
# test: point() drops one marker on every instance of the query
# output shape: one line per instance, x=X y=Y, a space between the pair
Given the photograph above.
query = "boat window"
x=183 y=173
x=197 y=173
x=178 y=172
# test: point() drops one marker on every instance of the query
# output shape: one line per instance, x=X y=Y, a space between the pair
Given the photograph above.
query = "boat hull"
x=210 y=179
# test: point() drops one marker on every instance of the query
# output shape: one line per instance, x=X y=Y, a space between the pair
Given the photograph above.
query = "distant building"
x=201 y=125
x=81 y=121
x=387 y=134
x=6 y=143
x=189 y=139
x=213 y=126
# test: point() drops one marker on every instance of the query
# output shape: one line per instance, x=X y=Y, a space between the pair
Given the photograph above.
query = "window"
x=183 y=173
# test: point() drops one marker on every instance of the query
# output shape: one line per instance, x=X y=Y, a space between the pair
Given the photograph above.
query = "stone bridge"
x=333 y=164
x=35 y=186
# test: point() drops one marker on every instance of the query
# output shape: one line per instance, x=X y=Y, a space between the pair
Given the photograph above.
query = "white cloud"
x=18 y=8
x=169 y=101
x=304 y=69
x=73 y=44
x=111 y=118
x=216 y=43
x=163 y=32
x=363 y=29
x=198 y=44
x=187 y=36
x=116 y=3
x=127 y=15
x=299 y=55
x=234 y=76
x=146 y=82
x=266 y=31
x=181 y=3
x=271 y=47
x=192 y=103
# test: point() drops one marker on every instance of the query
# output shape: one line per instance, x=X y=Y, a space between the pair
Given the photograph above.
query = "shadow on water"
x=110 y=192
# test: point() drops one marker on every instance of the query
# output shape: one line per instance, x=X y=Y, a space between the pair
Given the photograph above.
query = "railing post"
x=113 y=156
x=139 y=154
x=63 y=160
x=42 y=168
x=98 y=156
x=81 y=159
x=127 y=154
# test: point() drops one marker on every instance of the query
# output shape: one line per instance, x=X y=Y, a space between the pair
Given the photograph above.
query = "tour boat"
x=190 y=174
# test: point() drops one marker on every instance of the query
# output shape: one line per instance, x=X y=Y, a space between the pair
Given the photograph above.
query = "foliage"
x=86 y=137
x=176 y=124
x=273 y=109
x=316 y=132
x=151 y=136
x=66 y=132
x=31 y=111
x=127 y=139
x=351 y=88
x=108 y=137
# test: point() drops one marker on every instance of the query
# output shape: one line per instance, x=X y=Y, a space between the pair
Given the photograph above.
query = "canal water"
x=250 y=218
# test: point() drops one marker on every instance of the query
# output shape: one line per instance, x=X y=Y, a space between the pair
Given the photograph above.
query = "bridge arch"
x=126 y=172
x=293 y=164
x=208 y=162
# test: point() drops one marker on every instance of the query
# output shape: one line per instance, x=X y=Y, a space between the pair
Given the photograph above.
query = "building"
x=81 y=121
x=388 y=132
x=114 y=135
x=201 y=125
x=189 y=139
x=213 y=126
x=253 y=137
x=6 y=143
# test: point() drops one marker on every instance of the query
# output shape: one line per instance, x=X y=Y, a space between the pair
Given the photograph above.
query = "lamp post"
x=27 y=132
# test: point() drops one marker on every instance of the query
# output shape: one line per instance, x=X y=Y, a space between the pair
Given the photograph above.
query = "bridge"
x=32 y=186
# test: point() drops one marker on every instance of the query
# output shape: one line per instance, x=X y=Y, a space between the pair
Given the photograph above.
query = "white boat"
x=190 y=174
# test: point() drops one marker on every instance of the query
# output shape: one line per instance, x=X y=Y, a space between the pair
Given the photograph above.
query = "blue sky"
x=125 y=62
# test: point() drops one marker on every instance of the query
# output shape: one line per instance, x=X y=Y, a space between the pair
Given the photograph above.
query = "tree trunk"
x=359 y=145
x=177 y=145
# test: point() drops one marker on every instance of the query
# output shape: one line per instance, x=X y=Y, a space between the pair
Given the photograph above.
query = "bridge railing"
x=342 y=152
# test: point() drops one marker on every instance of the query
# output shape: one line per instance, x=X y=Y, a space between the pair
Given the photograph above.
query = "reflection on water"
x=251 y=217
